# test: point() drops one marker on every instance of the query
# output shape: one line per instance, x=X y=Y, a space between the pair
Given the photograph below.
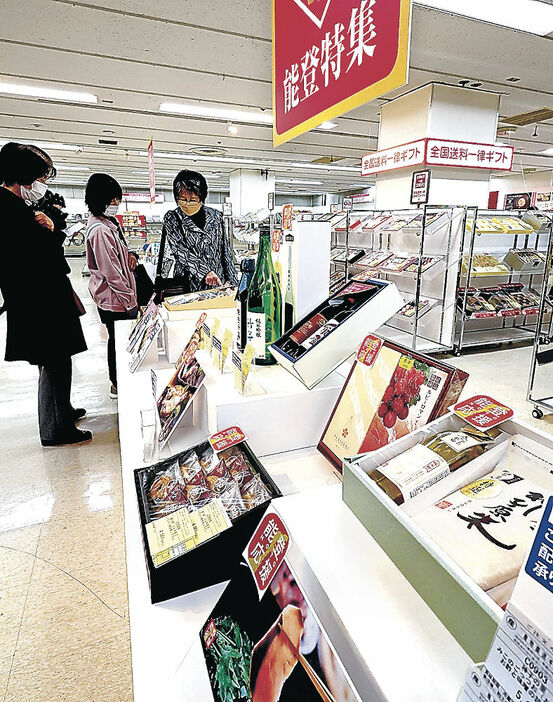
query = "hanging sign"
x=227 y=209
x=271 y=202
x=347 y=204
x=439 y=152
x=330 y=56
x=151 y=171
x=287 y=212
x=420 y=187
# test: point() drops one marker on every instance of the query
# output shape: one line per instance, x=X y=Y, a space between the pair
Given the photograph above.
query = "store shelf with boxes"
x=502 y=277
x=420 y=251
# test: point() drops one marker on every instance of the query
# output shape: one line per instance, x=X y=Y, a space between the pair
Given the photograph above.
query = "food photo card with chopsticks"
x=273 y=649
x=178 y=394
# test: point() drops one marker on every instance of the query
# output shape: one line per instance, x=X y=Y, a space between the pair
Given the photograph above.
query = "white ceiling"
x=142 y=53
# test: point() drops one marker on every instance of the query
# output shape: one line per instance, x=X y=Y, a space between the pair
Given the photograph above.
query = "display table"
x=396 y=648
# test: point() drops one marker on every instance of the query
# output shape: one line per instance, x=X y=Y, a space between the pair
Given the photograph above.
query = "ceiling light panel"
x=224 y=113
x=525 y=15
x=47 y=93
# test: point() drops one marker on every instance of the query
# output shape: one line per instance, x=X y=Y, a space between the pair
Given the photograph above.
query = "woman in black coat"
x=43 y=325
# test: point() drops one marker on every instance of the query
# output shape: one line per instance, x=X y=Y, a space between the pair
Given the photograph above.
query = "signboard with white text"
x=420 y=187
x=439 y=152
x=330 y=56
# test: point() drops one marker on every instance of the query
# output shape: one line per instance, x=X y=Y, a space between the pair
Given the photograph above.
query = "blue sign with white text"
x=539 y=565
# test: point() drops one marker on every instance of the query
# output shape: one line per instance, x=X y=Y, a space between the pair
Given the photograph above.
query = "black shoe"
x=76 y=437
x=77 y=413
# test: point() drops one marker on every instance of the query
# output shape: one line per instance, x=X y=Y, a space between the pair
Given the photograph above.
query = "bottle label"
x=320 y=334
x=415 y=470
x=256 y=333
x=308 y=328
x=459 y=441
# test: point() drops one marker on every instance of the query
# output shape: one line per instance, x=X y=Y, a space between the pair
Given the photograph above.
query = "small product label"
x=459 y=441
x=226 y=438
x=308 y=328
x=256 y=333
x=415 y=470
x=368 y=351
x=181 y=531
x=483 y=489
x=320 y=334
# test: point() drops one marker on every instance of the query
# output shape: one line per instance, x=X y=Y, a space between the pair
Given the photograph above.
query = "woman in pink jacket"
x=111 y=265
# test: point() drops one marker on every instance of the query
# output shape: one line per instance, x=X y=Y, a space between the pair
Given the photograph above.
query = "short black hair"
x=22 y=164
x=190 y=182
x=101 y=189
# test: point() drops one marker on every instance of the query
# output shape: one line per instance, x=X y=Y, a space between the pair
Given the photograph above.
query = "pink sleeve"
x=108 y=264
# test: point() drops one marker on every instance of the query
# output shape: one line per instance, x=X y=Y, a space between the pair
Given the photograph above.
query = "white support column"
x=249 y=190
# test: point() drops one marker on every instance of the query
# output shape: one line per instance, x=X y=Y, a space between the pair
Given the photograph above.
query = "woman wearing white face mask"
x=43 y=325
x=112 y=283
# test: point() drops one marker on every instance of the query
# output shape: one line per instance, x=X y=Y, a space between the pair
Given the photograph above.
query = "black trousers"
x=54 y=399
x=109 y=318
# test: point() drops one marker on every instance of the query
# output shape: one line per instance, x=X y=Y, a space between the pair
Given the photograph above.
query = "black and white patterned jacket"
x=198 y=252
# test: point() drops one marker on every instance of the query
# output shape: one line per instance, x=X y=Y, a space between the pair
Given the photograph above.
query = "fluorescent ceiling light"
x=48 y=93
x=531 y=16
x=46 y=145
x=254 y=162
x=547 y=152
x=173 y=173
x=195 y=110
x=72 y=168
x=298 y=182
x=327 y=125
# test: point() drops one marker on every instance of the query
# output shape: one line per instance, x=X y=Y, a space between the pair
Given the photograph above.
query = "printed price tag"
x=227 y=343
x=368 y=351
x=483 y=412
x=217 y=351
x=247 y=360
x=214 y=332
x=206 y=337
x=266 y=550
x=227 y=438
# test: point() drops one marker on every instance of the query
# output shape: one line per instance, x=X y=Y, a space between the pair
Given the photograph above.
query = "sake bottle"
x=264 y=322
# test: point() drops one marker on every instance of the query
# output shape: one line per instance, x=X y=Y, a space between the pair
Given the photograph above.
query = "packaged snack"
x=207 y=457
x=219 y=479
x=232 y=501
x=238 y=466
x=190 y=466
x=166 y=493
x=197 y=490
x=254 y=493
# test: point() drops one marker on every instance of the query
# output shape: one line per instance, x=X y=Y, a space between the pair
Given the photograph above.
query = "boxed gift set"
x=198 y=510
x=390 y=391
x=214 y=299
x=322 y=340
x=454 y=507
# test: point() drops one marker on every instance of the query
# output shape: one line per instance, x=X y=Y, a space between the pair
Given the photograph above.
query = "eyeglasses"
x=192 y=201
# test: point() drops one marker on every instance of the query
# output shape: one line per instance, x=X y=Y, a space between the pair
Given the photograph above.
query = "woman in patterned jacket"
x=197 y=237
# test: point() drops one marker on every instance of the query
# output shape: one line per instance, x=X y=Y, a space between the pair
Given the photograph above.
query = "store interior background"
x=62 y=510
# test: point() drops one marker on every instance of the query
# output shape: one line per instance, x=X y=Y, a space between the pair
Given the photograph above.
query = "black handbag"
x=144 y=285
x=168 y=287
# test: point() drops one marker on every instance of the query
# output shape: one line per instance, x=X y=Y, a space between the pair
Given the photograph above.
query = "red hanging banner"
x=330 y=56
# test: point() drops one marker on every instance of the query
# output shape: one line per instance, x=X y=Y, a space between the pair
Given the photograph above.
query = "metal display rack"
x=432 y=239
x=506 y=326
x=542 y=352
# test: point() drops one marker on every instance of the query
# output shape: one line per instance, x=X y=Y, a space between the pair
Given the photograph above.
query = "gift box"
x=214 y=299
x=466 y=610
x=525 y=260
x=390 y=391
x=322 y=340
x=198 y=510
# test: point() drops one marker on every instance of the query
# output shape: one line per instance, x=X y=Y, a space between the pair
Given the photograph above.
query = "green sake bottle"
x=264 y=322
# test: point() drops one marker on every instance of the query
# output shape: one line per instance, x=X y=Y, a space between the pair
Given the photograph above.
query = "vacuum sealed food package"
x=166 y=492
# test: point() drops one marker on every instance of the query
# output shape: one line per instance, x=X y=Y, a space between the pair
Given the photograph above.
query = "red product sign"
x=287 y=211
x=151 y=171
x=483 y=412
x=368 y=351
x=330 y=56
x=267 y=549
x=227 y=438
x=275 y=244
x=210 y=633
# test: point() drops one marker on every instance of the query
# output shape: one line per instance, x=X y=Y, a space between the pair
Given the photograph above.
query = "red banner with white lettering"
x=151 y=172
x=330 y=56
